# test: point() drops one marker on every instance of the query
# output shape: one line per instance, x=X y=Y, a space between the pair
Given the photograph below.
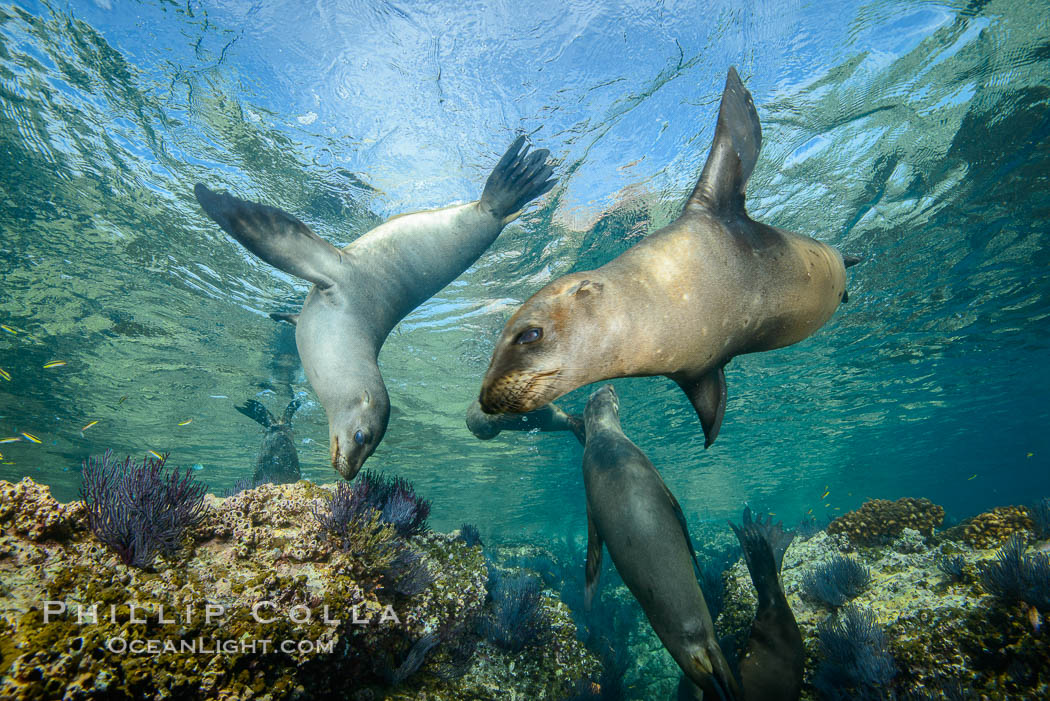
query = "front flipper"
x=594 y=562
x=289 y=411
x=707 y=393
x=685 y=528
x=288 y=317
x=275 y=236
x=517 y=179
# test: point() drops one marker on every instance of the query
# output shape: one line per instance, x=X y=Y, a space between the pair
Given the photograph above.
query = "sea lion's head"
x=603 y=406
x=356 y=428
x=551 y=345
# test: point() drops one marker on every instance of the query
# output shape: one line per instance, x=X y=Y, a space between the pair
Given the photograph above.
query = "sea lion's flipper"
x=516 y=180
x=275 y=236
x=594 y=562
x=257 y=412
x=734 y=152
x=850 y=261
x=289 y=411
x=845 y=296
x=707 y=393
x=292 y=319
x=578 y=428
x=676 y=507
x=764 y=545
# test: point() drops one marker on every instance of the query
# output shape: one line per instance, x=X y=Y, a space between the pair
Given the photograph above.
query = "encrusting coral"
x=993 y=528
x=258 y=603
x=878 y=521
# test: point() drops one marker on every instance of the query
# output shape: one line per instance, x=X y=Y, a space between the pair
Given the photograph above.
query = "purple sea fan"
x=140 y=510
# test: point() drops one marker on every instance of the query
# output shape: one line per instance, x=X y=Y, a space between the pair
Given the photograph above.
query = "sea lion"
x=546 y=418
x=278 y=461
x=772 y=666
x=712 y=285
x=362 y=291
x=632 y=512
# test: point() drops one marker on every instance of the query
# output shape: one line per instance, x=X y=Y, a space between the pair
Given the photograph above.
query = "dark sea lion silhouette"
x=362 y=291
x=632 y=513
x=772 y=666
x=683 y=302
x=546 y=418
x=278 y=461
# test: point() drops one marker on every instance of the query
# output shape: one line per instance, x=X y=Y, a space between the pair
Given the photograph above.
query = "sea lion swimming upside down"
x=683 y=302
x=632 y=512
x=362 y=291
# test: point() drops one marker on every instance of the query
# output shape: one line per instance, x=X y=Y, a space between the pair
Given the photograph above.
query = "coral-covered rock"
x=28 y=509
x=992 y=528
x=879 y=521
x=258 y=605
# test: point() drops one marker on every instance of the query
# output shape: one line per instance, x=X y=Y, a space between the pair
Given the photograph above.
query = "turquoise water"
x=914 y=134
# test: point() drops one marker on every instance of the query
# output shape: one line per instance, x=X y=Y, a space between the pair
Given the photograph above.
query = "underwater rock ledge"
x=334 y=629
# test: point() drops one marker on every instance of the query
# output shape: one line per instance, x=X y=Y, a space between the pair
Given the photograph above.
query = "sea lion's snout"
x=355 y=433
x=603 y=402
x=348 y=457
x=517 y=392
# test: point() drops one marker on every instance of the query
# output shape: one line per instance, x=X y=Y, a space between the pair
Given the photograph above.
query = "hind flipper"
x=257 y=412
x=516 y=180
x=275 y=236
x=764 y=545
x=594 y=562
x=734 y=152
x=707 y=393
x=289 y=411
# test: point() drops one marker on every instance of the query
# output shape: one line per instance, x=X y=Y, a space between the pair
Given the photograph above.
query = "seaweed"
x=837 y=581
x=1040 y=515
x=470 y=535
x=516 y=618
x=407 y=574
x=1014 y=576
x=953 y=567
x=417 y=655
x=140 y=511
x=856 y=664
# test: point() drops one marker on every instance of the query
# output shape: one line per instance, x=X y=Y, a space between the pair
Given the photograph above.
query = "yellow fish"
x=89 y=425
x=826 y=494
x=12 y=439
x=122 y=399
x=971 y=477
x=810 y=511
x=8 y=329
x=187 y=421
x=1027 y=456
x=7 y=376
x=156 y=455
x=31 y=437
x=54 y=364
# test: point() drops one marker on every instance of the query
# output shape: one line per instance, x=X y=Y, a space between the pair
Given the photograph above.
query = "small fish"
x=826 y=494
x=971 y=477
x=54 y=364
x=8 y=329
x=156 y=455
x=810 y=511
x=1027 y=456
x=187 y=421
x=89 y=425
x=122 y=400
x=217 y=396
x=1034 y=618
x=11 y=439
x=198 y=466
x=1 y=456
x=9 y=462
x=30 y=437
x=7 y=376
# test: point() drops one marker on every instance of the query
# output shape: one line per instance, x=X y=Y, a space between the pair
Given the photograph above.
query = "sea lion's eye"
x=529 y=335
x=359 y=437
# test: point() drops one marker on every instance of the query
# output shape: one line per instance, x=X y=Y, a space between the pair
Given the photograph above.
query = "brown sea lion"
x=712 y=285
x=362 y=291
x=631 y=512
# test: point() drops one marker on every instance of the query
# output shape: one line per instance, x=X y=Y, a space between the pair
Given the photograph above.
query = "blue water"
x=915 y=134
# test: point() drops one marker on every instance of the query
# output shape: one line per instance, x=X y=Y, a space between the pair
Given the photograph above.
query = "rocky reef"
x=925 y=621
x=258 y=602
